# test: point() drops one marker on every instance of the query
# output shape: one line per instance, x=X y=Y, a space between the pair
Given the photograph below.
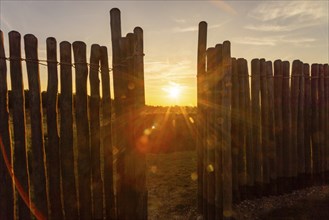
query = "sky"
x=285 y=30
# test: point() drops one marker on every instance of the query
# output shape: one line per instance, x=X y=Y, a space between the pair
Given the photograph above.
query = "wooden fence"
x=70 y=174
x=259 y=134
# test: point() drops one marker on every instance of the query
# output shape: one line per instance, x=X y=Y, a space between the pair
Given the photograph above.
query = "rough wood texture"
x=235 y=131
x=211 y=79
x=295 y=76
x=94 y=108
x=278 y=123
x=107 y=137
x=115 y=37
x=321 y=121
x=315 y=121
x=52 y=147
x=36 y=158
x=307 y=123
x=123 y=127
x=248 y=125
x=19 y=148
x=218 y=129
x=286 y=117
x=140 y=169
x=6 y=184
x=300 y=125
x=83 y=138
x=264 y=124
x=227 y=159
x=271 y=134
x=256 y=120
x=66 y=133
x=326 y=87
x=201 y=67
x=242 y=165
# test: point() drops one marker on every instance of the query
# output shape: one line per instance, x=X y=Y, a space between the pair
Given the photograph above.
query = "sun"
x=173 y=90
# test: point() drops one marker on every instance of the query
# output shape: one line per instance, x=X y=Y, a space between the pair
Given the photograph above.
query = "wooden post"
x=123 y=129
x=66 y=133
x=227 y=154
x=326 y=87
x=140 y=168
x=248 y=125
x=207 y=168
x=235 y=131
x=300 y=127
x=139 y=65
x=295 y=76
x=6 y=184
x=315 y=122
x=211 y=142
x=19 y=148
x=307 y=125
x=256 y=122
x=218 y=128
x=107 y=137
x=286 y=118
x=97 y=183
x=118 y=98
x=278 y=122
x=201 y=66
x=322 y=121
x=36 y=158
x=271 y=134
x=84 y=170
x=52 y=147
x=265 y=125
x=115 y=37
x=242 y=169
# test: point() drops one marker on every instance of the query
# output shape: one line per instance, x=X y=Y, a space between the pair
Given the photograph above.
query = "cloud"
x=288 y=16
x=179 y=20
x=256 y=41
x=300 y=10
x=274 y=40
x=224 y=6
x=166 y=70
x=195 y=28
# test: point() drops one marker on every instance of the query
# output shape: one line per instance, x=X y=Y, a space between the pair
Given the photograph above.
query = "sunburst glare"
x=173 y=90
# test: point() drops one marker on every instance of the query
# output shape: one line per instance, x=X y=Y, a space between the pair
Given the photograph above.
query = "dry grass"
x=172 y=185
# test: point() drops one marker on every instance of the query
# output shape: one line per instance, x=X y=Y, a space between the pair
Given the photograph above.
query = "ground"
x=172 y=187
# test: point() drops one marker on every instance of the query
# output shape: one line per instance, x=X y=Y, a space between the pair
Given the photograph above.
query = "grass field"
x=172 y=185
